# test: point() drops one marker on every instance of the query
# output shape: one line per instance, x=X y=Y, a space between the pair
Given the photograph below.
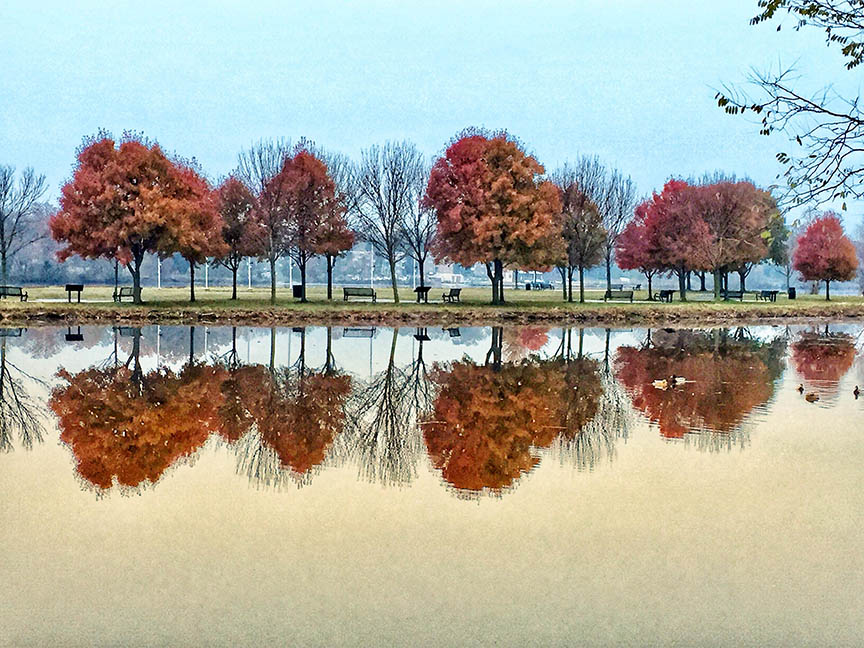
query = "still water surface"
x=471 y=486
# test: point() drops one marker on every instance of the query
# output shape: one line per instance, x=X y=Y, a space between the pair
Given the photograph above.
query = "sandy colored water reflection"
x=309 y=497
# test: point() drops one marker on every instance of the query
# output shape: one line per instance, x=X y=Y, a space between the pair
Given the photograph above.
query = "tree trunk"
x=191 y=281
x=682 y=287
x=135 y=270
x=563 y=272
x=272 y=349
x=608 y=269
x=329 y=277
x=116 y=276
x=718 y=283
x=234 y=282
x=827 y=290
x=702 y=281
x=689 y=280
x=422 y=272
x=191 y=345
x=494 y=352
x=272 y=279
x=570 y=285
x=302 y=281
x=581 y=284
x=3 y=266
x=491 y=274
x=393 y=282
x=742 y=279
x=515 y=280
x=650 y=294
x=499 y=271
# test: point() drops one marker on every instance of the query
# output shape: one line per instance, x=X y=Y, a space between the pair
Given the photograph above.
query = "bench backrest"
x=619 y=293
x=454 y=292
x=12 y=291
x=359 y=292
x=126 y=291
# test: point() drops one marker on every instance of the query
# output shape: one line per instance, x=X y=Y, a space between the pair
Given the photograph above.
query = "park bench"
x=637 y=287
x=422 y=293
x=124 y=291
x=732 y=294
x=666 y=296
x=767 y=295
x=618 y=294
x=76 y=288
x=13 y=291
x=12 y=332
x=616 y=286
x=358 y=292
x=358 y=333
x=453 y=332
x=452 y=295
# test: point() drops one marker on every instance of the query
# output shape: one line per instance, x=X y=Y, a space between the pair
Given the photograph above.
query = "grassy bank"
x=47 y=304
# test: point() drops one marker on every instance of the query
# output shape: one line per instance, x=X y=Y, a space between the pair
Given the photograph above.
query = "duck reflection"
x=701 y=383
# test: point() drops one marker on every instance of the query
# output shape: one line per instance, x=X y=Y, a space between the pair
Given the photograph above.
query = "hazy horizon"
x=632 y=84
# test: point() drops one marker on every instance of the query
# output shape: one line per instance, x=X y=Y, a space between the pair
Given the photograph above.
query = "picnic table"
x=422 y=293
x=767 y=295
x=76 y=288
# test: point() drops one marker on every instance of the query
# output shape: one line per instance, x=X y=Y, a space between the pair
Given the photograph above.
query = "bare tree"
x=420 y=223
x=825 y=128
x=18 y=213
x=258 y=167
x=386 y=185
x=615 y=213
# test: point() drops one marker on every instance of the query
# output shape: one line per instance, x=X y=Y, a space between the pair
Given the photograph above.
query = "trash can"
x=528 y=285
x=792 y=293
x=297 y=292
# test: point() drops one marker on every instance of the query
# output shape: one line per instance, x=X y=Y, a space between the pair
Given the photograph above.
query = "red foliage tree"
x=312 y=207
x=633 y=250
x=493 y=208
x=236 y=204
x=738 y=216
x=124 y=202
x=673 y=229
x=825 y=253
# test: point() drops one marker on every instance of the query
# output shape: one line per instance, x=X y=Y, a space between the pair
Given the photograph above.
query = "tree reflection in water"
x=728 y=374
x=295 y=413
x=127 y=427
x=822 y=358
x=381 y=435
x=489 y=422
x=21 y=417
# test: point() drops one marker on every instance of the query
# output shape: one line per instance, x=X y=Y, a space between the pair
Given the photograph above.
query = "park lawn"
x=217 y=299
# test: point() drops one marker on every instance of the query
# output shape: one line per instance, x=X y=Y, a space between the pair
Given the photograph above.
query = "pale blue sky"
x=630 y=81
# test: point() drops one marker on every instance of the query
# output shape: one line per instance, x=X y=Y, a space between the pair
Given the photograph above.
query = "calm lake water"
x=471 y=486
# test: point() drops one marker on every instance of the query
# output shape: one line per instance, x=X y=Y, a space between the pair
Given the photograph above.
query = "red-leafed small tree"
x=825 y=253
x=311 y=202
x=197 y=234
x=493 y=208
x=674 y=231
x=235 y=205
x=633 y=250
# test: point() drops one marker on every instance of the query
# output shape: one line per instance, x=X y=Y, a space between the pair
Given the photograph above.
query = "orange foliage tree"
x=236 y=203
x=124 y=202
x=726 y=380
x=493 y=207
